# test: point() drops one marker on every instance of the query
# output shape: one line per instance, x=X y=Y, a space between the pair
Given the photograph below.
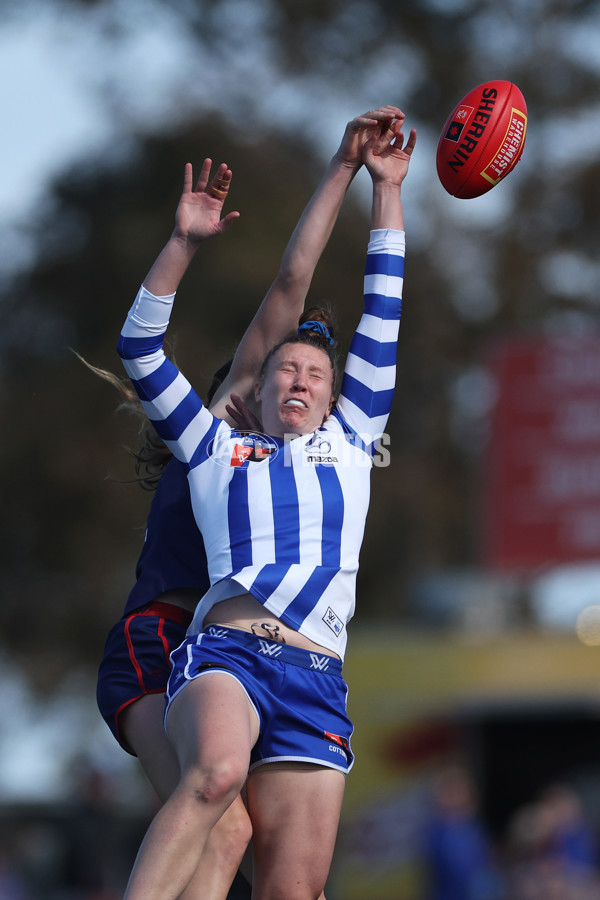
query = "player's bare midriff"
x=247 y=614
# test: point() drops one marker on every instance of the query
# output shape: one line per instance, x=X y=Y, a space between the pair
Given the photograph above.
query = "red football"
x=482 y=140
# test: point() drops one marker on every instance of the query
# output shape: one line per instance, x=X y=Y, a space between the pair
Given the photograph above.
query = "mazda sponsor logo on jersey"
x=352 y=449
x=318 y=450
x=239 y=449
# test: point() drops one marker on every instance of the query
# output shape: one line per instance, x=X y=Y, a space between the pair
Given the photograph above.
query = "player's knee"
x=217 y=784
x=237 y=828
x=290 y=883
x=233 y=831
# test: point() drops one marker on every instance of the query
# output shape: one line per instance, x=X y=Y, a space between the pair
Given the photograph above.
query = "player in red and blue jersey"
x=172 y=568
x=260 y=685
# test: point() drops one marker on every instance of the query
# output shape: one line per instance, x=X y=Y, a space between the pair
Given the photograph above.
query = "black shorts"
x=136 y=659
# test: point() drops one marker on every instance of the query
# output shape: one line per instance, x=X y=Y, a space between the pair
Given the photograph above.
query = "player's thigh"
x=295 y=811
x=212 y=721
x=142 y=726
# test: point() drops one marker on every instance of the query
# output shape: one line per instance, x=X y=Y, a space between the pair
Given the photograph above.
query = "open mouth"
x=293 y=401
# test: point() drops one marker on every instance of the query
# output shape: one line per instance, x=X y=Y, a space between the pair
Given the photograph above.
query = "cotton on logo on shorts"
x=338 y=744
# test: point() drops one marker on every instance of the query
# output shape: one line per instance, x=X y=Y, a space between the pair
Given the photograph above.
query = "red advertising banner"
x=542 y=492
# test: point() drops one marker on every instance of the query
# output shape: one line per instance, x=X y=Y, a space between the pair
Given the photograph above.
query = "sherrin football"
x=482 y=140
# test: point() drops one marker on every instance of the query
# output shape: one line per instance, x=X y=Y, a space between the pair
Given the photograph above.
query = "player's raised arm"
x=281 y=308
x=199 y=216
x=369 y=376
x=387 y=156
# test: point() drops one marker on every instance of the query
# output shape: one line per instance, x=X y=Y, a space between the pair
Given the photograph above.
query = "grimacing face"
x=295 y=392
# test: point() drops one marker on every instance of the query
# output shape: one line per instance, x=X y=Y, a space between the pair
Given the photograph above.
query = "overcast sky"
x=76 y=84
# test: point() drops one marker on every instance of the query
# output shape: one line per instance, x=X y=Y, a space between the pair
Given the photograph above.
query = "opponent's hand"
x=361 y=129
x=200 y=209
x=241 y=415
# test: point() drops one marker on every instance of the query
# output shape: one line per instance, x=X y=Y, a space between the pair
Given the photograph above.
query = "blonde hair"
x=153 y=455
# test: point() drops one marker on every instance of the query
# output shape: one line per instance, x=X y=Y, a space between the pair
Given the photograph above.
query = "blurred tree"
x=74 y=536
x=268 y=76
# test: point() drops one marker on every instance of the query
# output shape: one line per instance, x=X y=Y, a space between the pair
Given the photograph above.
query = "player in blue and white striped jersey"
x=258 y=682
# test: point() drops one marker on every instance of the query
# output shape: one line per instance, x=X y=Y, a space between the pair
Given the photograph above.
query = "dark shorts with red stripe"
x=136 y=659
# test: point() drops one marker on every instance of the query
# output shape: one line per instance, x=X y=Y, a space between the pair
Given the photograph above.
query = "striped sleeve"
x=167 y=397
x=370 y=373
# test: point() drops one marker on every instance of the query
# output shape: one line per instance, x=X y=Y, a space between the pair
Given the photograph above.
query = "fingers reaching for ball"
x=361 y=129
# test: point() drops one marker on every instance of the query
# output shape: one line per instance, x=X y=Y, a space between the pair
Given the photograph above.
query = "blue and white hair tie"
x=321 y=329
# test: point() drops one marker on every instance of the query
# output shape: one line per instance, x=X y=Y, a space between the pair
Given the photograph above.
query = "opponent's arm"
x=283 y=304
x=198 y=217
x=160 y=386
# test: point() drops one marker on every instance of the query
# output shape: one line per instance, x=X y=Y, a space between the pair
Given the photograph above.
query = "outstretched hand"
x=361 y=129
x=386 y=155
x=241 y=415
x=200 y=208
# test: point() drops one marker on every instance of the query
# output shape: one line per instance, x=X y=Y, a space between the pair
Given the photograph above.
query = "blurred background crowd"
x=474 y=668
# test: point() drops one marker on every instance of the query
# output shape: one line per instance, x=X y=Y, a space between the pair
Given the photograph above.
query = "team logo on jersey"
x=238 y=448
x=333 y=621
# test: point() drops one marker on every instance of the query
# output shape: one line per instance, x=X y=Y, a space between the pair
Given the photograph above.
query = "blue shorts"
x=136 y=659
x=299 y=696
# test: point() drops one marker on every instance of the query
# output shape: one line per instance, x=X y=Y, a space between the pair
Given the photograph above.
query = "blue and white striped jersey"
x=283 y=520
